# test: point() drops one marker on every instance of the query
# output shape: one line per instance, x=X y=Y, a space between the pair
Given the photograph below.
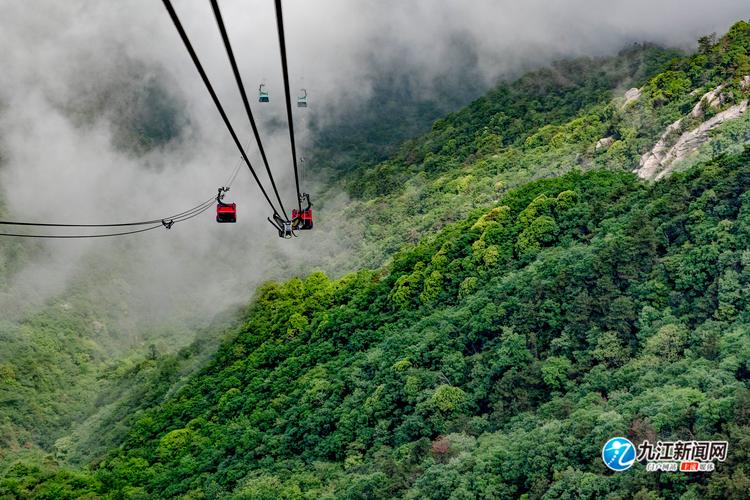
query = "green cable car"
x=262 y=94
x=302 y=100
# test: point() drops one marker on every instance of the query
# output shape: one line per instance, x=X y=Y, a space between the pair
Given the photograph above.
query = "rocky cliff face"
x=668 y=152
x=693 y=139
x=652 y=161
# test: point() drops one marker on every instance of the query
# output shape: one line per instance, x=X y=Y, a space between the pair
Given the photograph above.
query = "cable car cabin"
x=302 y=100
x=262 y=94
x=303 y=220
x=226 y=212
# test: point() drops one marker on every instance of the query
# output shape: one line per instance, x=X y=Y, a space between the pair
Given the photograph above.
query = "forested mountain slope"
x=76 y=360
x=549 y=300
x=491 y=360
x=65 y=342
x=572 y=115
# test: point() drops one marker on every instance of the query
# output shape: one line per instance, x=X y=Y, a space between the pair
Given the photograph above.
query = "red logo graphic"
x=689 y=466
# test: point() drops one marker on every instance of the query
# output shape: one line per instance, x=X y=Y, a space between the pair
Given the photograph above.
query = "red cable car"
x=225 y=212
x=303 y=219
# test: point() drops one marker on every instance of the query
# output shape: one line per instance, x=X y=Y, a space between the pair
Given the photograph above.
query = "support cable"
x=118 y=224
x=285 y=71
x=163 y=223
x=245 y=101
x=209 y=87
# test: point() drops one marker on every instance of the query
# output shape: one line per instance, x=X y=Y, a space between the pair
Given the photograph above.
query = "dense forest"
x=493 y=359
x=540 y=125
x=522 y=296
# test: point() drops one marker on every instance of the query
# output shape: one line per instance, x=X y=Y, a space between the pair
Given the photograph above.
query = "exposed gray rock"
x=693 y=139
x=745 y=82
x=604 y=142
x=632 y=95
x=711 y=99
x=661 y=160
x=651 y=161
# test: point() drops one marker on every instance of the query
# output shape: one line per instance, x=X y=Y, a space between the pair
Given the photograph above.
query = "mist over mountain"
x=488 y=244
x=108 y=92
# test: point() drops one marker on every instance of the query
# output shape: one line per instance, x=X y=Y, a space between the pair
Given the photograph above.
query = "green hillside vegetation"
x=541 y=125
x=72 y=368
x=492 y=359
x=65 y=357
x=369 y=131
x=70 y=363
x=73 y=355
x=517 y=296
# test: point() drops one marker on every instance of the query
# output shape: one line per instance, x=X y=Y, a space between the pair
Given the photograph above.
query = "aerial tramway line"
x=226 y=212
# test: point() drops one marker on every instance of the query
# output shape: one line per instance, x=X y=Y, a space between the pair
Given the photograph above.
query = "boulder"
x=712 y=99
x=632 y=95
x=604 y=142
